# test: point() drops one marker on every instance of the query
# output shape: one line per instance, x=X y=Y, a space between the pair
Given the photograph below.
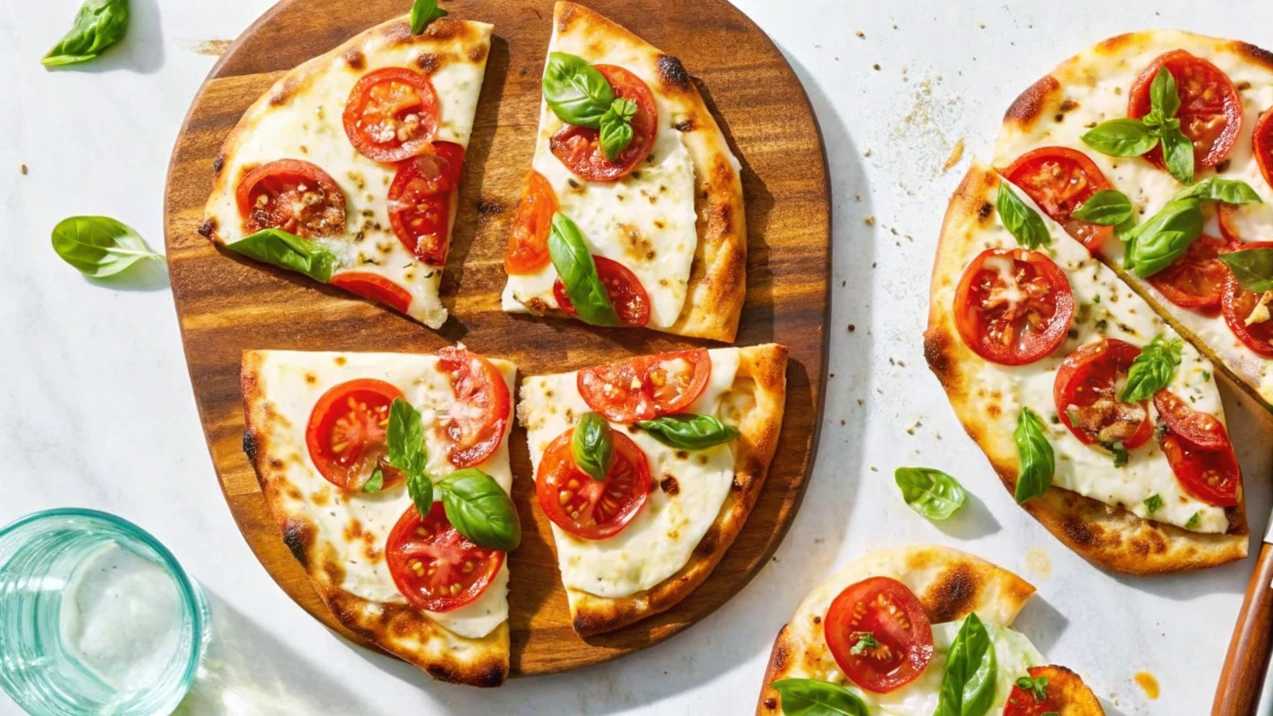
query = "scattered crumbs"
x=875 y=66
x=861 y=34
x=211 y=48
x=916 y=426
x=857 y=198
x=861 y=402
x=870 y=221
x=956 y=153
x=1038 y=562
x=867 y=154
x=874 y=469
x=981 y=25
x=843 y=422
x=1147 y=683
x=23 y=168
x=816 y=540
x=852 y=328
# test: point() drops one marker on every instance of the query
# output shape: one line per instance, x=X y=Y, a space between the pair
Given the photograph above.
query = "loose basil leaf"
x=931 y=493
x=376 y=482
x=479 y=509
x=575 y=91
x=1152 y=370
x=1253 y=268
x=98 y=25
x=616 y=128
x=1038 y=462
x=1020 y=219
x=689 y=431
x=1163 y=97
x=289 y=251
x=420 y=489
x=1107 y=207
x=1227 y=191
x=424 y=12
x=578 y=272
x=812 y=697
x=1193 y=520
x=1038 y=687
x=593 y=446
x=1121 y=137
x=968 y=688
x=1177 y=152
x=1153 y=503
x=100 y=246
x=1155 y=244
x=405 y=440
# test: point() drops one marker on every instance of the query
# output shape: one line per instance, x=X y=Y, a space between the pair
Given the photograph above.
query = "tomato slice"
x=391 y=114
x=293 y=195
x=1209 y=475
x=1066 y=693
x=435 y=567
x=1196 y=279
x=646 y=387
x=1203 y=430
x=346 y=431
x=1013 y=306
x=890 y=613
x=475 y=424
x=1087 y=400
x=1059 y=180
x=528 y=243
x=579 y=148
x=588 y=508
x=1240 y=305
x=627 y=294
x=1262 y=145
x=375 y=287
x=1210 y=107
x=420 y=201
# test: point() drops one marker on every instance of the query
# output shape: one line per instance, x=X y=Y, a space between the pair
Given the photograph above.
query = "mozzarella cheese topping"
x=357 y=524
x=660 y=540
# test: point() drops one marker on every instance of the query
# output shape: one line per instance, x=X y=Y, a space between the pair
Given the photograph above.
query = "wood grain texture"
x=227 y=304
x=1245 y=666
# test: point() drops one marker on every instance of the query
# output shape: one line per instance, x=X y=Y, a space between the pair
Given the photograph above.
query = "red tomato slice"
x=1013 y=306
x=1262 y=145
x=1227 y=217
x=1196 y=279
x=1066 y=694
x=295 y=196
x=1059 y=180
x=588 y=508
x=890 y=613
x=375 y=287
x=646 y=387
x=420 y=201
x=1238 y=304
x=1203 y=430
x=1087 y=400
x=391 y=114
x=1209 y=475
x=435 y=567
x=475 y=424
x=627 y=294
x=579 y=148
x=1210 y=107
x=528 y=243
x=346 y=431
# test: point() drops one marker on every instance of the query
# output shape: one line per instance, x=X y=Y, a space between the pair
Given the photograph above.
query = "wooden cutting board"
x=225 y=305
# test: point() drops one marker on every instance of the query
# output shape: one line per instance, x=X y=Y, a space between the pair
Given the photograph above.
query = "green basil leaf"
x=866 y=640
x=578 y=272
x=968 y=688
x=1107 y=207
x=1193 y=521
x=1253 y=268
x=1038 y=687
x=404 y=439
x=424 y=12
x=1153 y=503
x=100 y=246
x=289 y=251
x=420 y=489
x=931 y=493
x=616 y=128
x=812 y=697
x=1177 y=152
x=376 y=482
x=1155 y=244
x=1050 y=713
x=1121 y=138
x=1227 y=191
x=479 y=509
x=1163 y=97
x=98 y=25
x=1120 y=453
x=1020 y=219
x=575 y=91
x=593 y=446
x=1038 y=462
x=1152 y=370
x=689 y=431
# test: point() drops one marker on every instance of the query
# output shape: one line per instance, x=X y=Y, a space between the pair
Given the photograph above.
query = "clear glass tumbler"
x=96 y=617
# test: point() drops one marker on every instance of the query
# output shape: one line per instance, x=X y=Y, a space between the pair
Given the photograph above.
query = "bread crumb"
x=870 y=221
x=956 y=153
x=23 y=168
x=861 y=34
x=876 y=66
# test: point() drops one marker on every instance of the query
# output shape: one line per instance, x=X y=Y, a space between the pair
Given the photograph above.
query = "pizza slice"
x=633 y=211
x=916 y=631
x=1103 y=423
x=348 y=169
x=648 y=469
x=348 y=448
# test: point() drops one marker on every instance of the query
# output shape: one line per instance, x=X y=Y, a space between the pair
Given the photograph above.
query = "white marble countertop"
x=97 y=409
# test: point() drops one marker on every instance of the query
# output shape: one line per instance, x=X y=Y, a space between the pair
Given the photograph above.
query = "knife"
x=1245 y=666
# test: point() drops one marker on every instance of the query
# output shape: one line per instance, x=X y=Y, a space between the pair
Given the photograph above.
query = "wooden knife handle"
x=1242 y=678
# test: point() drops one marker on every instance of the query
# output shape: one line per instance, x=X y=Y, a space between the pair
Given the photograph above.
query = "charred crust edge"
x=1028 y=106
x=672 y=73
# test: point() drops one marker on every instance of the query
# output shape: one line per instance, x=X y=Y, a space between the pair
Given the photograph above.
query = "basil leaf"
x=479 y=509
x=1020 y=219
x=1153 y=503
x=1193 y=520
x=689 y=431
x=968 y=688
x=931 y=493
x=1038 y=462
x=1253 y=268
x=1120 y=453
x=575 y=91
x=1227 y=191
x=100 y=246
x=812 y=697
x=593 y=446
x=98 y=25
x=1163 y=97
x=578 y=272
x=1155 y=244
x=376 y=482
x=420 y=488
x=616 y=128
x=1121 y=137
x=1107 y=207
x=1037 y=687
x=424 y=12
x=405 y=440
x=1152 y=370
x=1177 y=152
x=865 y=641
x=289 y=251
